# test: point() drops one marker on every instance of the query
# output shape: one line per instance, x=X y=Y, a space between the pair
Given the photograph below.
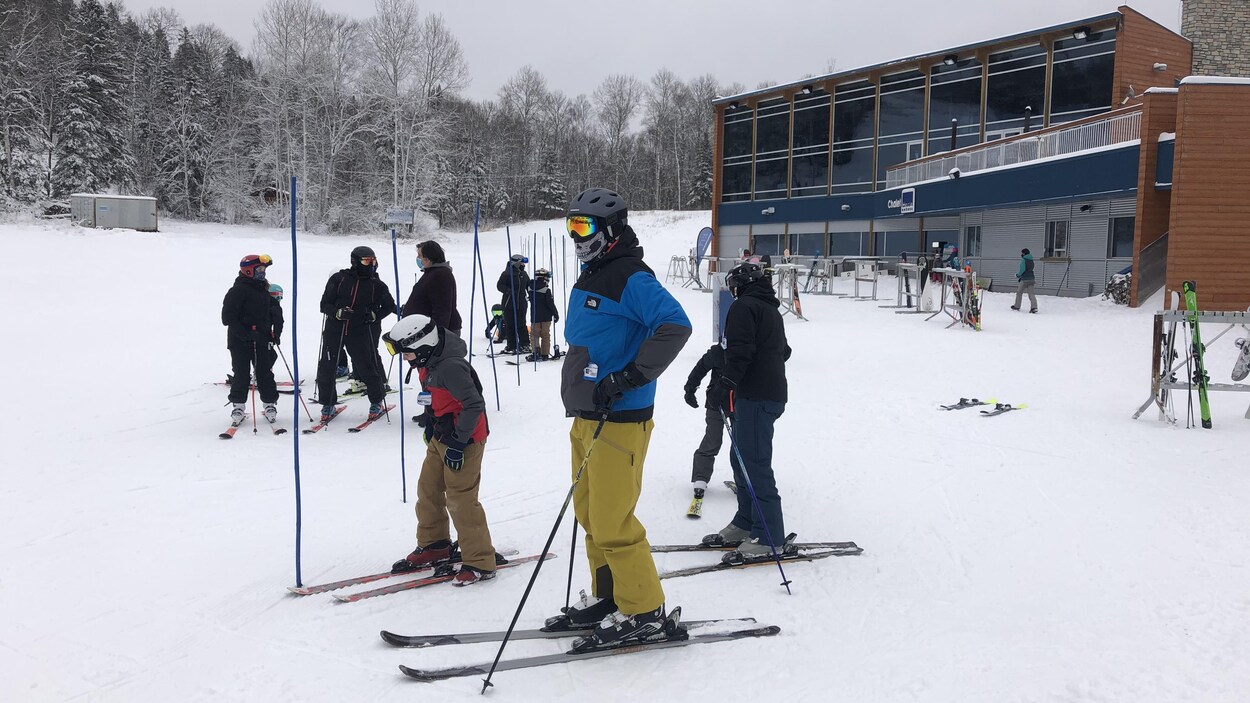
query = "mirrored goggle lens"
x=581 y=227
x=391 y=346
x=265 y=260
x=369 y=260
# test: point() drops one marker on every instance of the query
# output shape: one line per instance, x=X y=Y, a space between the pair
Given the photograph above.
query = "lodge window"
x=854 y=123
x=1081 y=77
x=810 y=144
x=1120 y=237
x=807 y=244
x=954 y=94
x=1017 y=79
x=972 y=241
x=1057 y=239
x=736 y=164
x=848 y=243
x=901 y=119
x=772 y=154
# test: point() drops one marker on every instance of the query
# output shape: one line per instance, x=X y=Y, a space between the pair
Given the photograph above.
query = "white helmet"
x=414 y=334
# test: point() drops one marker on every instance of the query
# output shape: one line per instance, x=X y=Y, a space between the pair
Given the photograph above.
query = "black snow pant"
x=705 y=455
x=516 y=335
x=241 y=361
x=362 y=347
x=753 y=436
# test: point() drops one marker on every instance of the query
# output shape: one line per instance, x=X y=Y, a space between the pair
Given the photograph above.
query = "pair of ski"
x=531 y=361
x=999 y=408
x=234 y=427
x=442 y=575
x=790 y=551
x=681 y=638
x=321 y=425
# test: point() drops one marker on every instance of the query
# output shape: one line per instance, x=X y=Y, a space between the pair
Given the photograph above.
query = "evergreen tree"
x=700 y=195
x=551 y=197
x=185 y=147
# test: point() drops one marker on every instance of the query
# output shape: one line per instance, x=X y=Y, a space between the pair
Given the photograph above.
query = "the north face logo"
x=592 y=303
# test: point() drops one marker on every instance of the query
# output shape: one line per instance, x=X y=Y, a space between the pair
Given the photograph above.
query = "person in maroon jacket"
x=434 y=294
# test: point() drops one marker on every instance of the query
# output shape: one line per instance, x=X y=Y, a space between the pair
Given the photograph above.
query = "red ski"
x=322 y=425
x=371 y=419
x=234 y=427
x=427 y=581
x=358 y=580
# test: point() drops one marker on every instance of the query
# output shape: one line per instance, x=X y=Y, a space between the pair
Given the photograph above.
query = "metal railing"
x=1054 y=141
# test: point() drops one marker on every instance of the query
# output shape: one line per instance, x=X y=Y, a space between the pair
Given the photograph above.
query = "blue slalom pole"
x=533 y=308
x=399 y=313
x=516 y=331
x=299 y=510
x=478 y=271
x=755 y=501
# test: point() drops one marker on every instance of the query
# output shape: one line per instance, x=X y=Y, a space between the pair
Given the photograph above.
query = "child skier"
x=545 y=313
x=712 y=362
x=254 y=325
x=455 y=436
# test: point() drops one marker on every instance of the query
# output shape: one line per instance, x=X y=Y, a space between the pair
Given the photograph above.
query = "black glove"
x=690 y=399
x=429 y=432
x=343 y=314
x=556 y=318
x=615 y=385
x=371 y=316
x=276 y=340
x=721 y=395
x=454 y=458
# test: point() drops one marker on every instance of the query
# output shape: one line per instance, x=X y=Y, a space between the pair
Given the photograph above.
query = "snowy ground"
x=1061 y=553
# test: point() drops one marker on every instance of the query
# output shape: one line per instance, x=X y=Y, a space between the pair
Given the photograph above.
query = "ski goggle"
x=581 y=227
x=391 y=346
x=369 y=260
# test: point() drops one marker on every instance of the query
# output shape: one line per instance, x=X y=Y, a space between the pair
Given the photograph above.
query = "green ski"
x=1200 y=369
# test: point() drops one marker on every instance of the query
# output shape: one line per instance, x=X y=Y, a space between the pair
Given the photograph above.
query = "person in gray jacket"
x=1027 y=281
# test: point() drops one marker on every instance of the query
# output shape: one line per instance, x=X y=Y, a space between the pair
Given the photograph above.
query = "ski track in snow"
x=1059 y=553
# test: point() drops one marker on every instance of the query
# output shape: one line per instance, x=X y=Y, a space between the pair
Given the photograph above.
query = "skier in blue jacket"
x=1027 y=281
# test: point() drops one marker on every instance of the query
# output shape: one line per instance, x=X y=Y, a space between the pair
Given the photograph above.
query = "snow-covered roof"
x=1160 y=91
x=110 y=196
x=1214 y=80
x=1167 y=136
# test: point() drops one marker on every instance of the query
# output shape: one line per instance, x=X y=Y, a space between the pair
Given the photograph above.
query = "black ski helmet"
x=361 y=253
x=743 y=274
x=610 y=213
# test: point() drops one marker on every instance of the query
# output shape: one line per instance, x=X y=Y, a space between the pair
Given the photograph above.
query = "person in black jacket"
x=354 y=302
x=713 y=362
x=254 y=325
x=514 y=283
x=545 y=313
x=753 y=390
x=434 y=294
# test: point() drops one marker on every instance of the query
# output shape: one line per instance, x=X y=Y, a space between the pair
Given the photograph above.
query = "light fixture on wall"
x=805 y=90
x=950 y=59
x=1080 y=33
x=733 y=106
x=1086 y=207
x=1160 y=66
x=1130 y=95
x=846 y=208
x=768 y=211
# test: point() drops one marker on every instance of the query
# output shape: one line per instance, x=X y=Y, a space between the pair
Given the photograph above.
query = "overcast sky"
x=576 y=44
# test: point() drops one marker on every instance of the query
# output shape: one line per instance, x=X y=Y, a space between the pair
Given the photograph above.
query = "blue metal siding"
x=1163 y=168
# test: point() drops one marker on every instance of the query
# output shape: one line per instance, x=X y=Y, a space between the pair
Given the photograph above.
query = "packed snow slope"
x=1060 y=553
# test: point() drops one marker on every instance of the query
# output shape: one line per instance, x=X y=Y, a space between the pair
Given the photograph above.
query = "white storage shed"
x=104 y=210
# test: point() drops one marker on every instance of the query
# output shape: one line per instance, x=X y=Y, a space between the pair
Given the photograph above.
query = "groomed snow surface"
x=1060 y=553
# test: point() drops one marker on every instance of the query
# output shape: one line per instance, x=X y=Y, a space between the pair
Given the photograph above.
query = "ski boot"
x=271 y=412
x=729 y=536
x=375 y=411
x=469 y=575
x=620 y=630
x=357 y=387
x=753 y=550
x=327 y=413
x=585 y=613
x=237 y=412
x=341 y=373
x=435 y=554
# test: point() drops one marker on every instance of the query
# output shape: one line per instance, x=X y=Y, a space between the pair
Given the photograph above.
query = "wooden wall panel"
x=1153 y=206
x=1210 y=214
x=1140 y=44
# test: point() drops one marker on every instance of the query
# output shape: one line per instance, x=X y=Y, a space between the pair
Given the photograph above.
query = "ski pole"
x=550 y=538
x=293 y=382
x=568 y=590
x=255 y=378
x=754 y=500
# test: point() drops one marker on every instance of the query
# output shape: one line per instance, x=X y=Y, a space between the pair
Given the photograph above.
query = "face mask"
x=259 y=273
x=420 y=264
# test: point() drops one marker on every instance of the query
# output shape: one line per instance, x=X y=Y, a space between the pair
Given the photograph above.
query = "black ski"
x=1000 y=408
x=967 y=403
x=544 y=660
x=789 y=556
x=423 y=641
x=665 y=548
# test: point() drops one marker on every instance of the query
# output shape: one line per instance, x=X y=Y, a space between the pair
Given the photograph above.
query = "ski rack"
x=1166 y=361
x=786 y=281
x=910 y=284
x=823 y=271
x=866 y=272
x=950 y=279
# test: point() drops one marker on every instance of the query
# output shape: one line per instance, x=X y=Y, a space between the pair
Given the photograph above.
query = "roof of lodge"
x=919 y=57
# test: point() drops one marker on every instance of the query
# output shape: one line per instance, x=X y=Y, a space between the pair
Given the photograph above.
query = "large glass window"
x=972 y=241
x=854 y=119
x=1057 y=239
x=1120 y=237
x=810 y=172
x=1017 y=81
x=1081 y=79
x=848 y=243
x=954 y=94
x=772 y=148
x=736 y=163
x=767 y=244
x=807 y=243
x=895 y=243
x=901 y=120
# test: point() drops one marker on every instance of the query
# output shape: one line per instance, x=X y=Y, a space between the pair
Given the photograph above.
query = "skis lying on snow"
x=541 y=633
x=322 y=425
x=788 y=556
x=1000 y=408
x=967 y=403
x=427 y=581
x=681 y=639
x=369 y=578
x=234 y=427
x=372 y=419
x=666 y=548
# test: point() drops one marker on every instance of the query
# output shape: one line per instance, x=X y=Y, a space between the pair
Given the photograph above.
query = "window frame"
x=972 y=234
x=1111 y=239
x=1050 y=250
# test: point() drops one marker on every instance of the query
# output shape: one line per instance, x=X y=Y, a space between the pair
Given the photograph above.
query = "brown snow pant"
x=440 y=491
x=542 y=330
x=621 y=566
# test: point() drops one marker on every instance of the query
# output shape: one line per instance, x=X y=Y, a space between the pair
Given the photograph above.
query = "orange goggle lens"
x=265 y=260
x=368 y=260
x=581 y=227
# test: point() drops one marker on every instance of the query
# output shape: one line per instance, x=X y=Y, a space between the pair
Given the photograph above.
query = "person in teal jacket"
x=1026 y=281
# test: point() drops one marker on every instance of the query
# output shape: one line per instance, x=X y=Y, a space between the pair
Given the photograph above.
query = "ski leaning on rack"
x=234 y=427
x=440 y=576
x=851 y=550
x=322 y=425
x=372 y=419
x=541 y=633
x=967 y=403
x=1000 y=408
x=1200 y=378
x=427 y=675
x=368 y=578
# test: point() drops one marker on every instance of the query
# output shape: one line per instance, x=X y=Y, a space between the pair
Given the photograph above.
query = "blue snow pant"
x=753 y=437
